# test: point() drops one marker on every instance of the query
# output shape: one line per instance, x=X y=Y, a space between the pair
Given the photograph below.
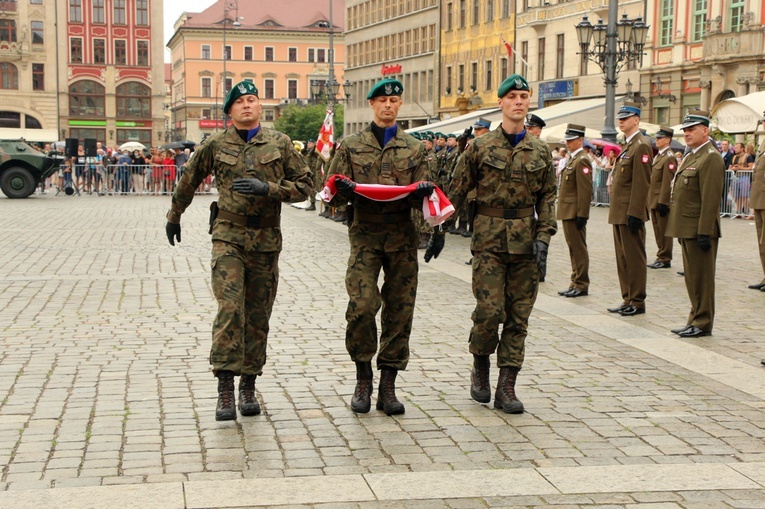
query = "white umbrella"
x=131 y=146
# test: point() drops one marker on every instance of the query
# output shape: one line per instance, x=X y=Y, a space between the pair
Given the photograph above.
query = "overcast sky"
x=173 y=10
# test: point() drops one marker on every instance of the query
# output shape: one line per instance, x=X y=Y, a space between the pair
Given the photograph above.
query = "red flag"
x=326 y=136
x=509 y=48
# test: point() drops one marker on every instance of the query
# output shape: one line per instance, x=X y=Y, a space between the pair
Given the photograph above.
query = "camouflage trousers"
x=396 y=298
x=505 y=289
x=244 y=284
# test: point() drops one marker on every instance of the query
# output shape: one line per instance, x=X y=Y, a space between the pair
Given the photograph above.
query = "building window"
x=474 y=76
x=37 y=32
x=9 y=76
x=248 y=53
x=206 y=52
x=120 y=52
x=449 y=16
x=269 y=88
x=461 y=78
x=699 y=19
x=448 y=87
x=228 y=84
x=75 y=11
x=503 y=69
x=10 y=119
x=142 y=53
x=7 y=30
x=321 y=55
x=311 y=55
x=75 y=50
x=31 y=122
x=269 y=54
x=142 y=12
x=463 y=13
x=119 y=12
x=87 y=99
x=139 y=135
x=736 y=15
x=525 y=57
x=560 y=56
x=541 y=59
x=35 y=2
x=505 y=8
x=488 y=75
x=227 y=52
x=489 y=11
x=38 y=76
x=98 y=11
x=292 y=89
x=268 y=115
x=133 y=100
x=476 y=11
x=292 y=54
x=661 y=115
x=206 y=87
x=666 y=13
x=99 y=51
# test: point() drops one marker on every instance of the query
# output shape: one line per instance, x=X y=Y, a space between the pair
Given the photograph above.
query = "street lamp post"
x=228 y=6
x=614 y=45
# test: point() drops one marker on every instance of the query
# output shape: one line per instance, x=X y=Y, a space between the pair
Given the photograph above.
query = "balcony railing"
x=724 y=46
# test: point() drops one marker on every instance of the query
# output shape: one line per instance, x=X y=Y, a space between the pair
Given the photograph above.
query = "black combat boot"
x=226 y=410
x=311 y=206
x=248 y=403
x=386 y=395
x=480 y=390
x=505 y=397
x=361 y=401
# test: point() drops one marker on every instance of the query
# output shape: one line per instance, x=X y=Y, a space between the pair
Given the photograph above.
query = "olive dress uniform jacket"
x=631 y=180
x=662 y=172
x=757 y=195
x=575 y=192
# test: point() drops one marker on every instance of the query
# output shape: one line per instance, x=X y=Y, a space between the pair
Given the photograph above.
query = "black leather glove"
x=581 y=222
x=704 y=243
x=345 y=187
x=423 y=189
x=173 y=231
x=435 y=245
x=539 y=249
x=250 y=186
x=462 y=139
x=634 y=224
x=662 y=209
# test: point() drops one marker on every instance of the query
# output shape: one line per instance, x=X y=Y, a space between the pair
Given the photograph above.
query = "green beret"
x=310 y=140
x=441 y=135
x=386 y=87
x=513 y=82
x=240 y=89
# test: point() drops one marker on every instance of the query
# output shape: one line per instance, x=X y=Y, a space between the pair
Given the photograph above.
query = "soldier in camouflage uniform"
x=312 y=160
x=382 y=236
x=255 y=169
x=514 y=178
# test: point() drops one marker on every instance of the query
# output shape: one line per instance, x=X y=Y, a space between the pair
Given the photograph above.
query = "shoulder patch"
x=671 y=166
x=646 y=158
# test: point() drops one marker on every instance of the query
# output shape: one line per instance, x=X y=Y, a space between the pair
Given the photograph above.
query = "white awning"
x=35 y=135
x=458 y=124
x=740 y=114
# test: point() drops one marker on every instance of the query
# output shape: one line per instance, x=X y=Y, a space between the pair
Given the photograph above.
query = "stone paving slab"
x=135 y=496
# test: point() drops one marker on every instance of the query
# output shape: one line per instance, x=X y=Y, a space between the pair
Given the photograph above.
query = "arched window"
x=133 y=100
x=9 y=76
x=7 y=30
x=87 y=99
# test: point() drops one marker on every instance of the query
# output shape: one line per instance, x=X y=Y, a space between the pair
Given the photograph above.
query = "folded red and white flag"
x=436 y=208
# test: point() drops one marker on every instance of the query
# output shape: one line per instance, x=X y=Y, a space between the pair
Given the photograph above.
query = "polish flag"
x=511 y=52
x=326 y=136
x=436 y=208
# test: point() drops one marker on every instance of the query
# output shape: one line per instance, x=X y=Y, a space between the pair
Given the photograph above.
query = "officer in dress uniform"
x=514 y=180
x=574 y=199
x=383 y=237
x=662 y=172
x=694 y=219
x=534 y=125
x=255 y=169
x=629 y=210
x=757 y=203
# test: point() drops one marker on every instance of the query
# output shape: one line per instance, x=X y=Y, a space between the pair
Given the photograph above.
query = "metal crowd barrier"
x=735 y=195
x=127 y=179
x=600 y=197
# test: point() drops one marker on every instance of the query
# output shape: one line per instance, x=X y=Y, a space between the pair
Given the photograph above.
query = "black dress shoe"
x=631 y=311
x=575 y=292
x=680 y=273
x=693 y=332
x=564 y=292
x=617 y=309
x=758 y=286
x=652 y=265
x=762 y=362
x=660 y=265
x=679 y=329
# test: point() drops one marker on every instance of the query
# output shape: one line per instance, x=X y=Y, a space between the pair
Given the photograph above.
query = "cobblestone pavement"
x=104 y=379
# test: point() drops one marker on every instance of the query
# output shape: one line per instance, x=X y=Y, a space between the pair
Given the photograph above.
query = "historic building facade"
x=398 y=39
x=282 y=48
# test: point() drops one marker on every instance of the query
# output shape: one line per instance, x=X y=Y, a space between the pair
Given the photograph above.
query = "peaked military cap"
x=534 y=121
x=240 y=89
x=628 y=109
x=386 y=87
x=513 y=82
x=482 y=123
x=665 y=132
x=695 y=117
x=573 y=131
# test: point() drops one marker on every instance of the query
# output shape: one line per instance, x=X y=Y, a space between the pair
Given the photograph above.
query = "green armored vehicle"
x=22 y=168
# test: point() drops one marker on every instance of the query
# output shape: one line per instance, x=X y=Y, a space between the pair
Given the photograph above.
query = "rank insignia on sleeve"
x=645 y=158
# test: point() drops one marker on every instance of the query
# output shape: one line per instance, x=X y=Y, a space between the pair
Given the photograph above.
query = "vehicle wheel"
x=17 y=182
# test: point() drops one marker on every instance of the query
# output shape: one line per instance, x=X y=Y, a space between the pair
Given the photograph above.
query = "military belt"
x=505 y=213
x=249 y=221
x=398 y=217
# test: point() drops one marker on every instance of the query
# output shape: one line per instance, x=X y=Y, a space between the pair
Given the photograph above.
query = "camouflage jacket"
x=507 y=177
x=403 y=161
x=269 y=156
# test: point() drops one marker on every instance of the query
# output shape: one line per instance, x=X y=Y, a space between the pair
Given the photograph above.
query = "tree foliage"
x=303 y=122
